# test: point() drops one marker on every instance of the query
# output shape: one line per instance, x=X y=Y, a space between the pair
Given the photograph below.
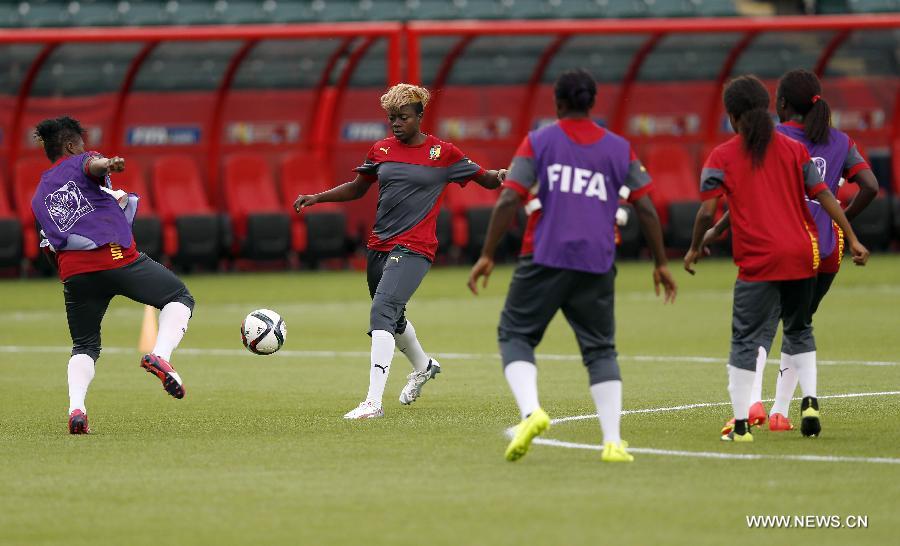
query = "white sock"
x=382 y=354
x=522 y=379
x=409 y=345
x=81 y=372
x=740 y=382
x=756 y=393
x=608 y=399
x=806 y=371
x=173 y=323
x=785 y=386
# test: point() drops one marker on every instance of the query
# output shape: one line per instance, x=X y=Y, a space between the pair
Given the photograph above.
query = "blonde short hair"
x=403 y=94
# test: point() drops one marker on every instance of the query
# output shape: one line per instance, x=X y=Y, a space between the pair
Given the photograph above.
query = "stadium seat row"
x=54 y=13
x=177 y=219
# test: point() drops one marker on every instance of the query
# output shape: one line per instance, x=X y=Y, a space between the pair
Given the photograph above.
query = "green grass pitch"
x=257 y=452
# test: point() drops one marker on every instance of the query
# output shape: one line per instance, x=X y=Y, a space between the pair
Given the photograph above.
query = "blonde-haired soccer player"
x=412 y=170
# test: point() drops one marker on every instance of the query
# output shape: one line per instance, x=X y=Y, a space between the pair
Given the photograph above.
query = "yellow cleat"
x=616 y=453
x=525 y=432
x=732 y=437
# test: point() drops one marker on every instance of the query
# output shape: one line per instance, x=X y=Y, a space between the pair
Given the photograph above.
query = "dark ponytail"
x=747 y=100
x=802 y=90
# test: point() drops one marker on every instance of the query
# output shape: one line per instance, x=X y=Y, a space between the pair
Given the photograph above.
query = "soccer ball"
x=263 y=332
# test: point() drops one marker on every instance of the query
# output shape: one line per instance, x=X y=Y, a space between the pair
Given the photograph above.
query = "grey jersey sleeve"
x=463 y=170
x=637 y=178
x=521 y=173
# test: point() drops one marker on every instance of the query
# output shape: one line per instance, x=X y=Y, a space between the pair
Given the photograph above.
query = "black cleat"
x=810 y=425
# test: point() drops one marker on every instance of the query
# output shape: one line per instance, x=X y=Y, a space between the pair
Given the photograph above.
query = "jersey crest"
x=821 y=166
x=66 y=205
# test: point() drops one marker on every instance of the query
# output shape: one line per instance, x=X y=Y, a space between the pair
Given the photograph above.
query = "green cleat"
x=810 y=425
x=525 y=432
x=616 y=453
x=734 y=437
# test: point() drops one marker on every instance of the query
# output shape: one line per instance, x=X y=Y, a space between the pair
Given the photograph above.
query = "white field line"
x=712 y=454
x=449 y=356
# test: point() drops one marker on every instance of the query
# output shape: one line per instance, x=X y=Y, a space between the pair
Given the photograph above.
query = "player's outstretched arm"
x=501 y=217
x=491 y=179
x=347 y=191
x=868 y=189
x=652 y=230
x=704 y=221
x=833 y=208
x=101 y=166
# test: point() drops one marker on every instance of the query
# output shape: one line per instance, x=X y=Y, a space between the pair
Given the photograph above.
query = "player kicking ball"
x=806 y=117
x=767 y=177
x=576 y=169
x=87 y=227
x=412 y=171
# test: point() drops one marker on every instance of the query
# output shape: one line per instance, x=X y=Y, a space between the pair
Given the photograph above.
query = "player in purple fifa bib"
x=577 y=170
x=579 y=187
x=806 y=117
x=86 y=226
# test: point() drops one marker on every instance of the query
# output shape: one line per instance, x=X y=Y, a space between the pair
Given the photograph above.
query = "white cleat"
x=416 y=380
x=366 y=410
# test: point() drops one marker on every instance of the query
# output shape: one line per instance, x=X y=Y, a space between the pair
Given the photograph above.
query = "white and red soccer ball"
x=263 y=332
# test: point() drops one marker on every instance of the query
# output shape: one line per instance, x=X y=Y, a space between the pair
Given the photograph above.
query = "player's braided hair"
x=402 y=94
x=803 y=91
x=577 y=89
x=54 y=133
x=747 y=100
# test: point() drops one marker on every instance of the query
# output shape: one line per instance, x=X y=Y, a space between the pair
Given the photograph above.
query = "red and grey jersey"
x=774 y=235
x=412 y=181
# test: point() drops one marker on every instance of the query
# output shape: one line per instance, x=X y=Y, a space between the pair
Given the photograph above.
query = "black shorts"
x=759 y=306
x=393 y=278
x=587 y=300
x=88 y=295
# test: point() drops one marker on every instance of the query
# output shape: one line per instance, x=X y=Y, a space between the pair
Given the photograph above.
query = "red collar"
x=428 y=138
x=792 y=123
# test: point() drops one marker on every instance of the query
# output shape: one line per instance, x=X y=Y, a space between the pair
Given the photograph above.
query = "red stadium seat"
x=320 y=232
x=10 y=231
x=261 y=227
x=27 y=176
x=132 y=180
x=190 y=226
x=147 y=228
x=470 y=208
x=676 y=189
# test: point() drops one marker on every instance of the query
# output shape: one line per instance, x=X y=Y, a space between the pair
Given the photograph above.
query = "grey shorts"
x=393 y=278
x=88 y=295
x=587 y=301
x=759 y=306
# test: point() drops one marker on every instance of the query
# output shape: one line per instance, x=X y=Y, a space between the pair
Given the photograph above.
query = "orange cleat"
x=757 y=417
x=779 y=423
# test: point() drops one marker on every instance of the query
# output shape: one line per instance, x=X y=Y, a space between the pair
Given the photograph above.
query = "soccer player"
x=766 y=177
x=569 y=175
x=806 y=117
x=412 y=170
x=87 y=226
